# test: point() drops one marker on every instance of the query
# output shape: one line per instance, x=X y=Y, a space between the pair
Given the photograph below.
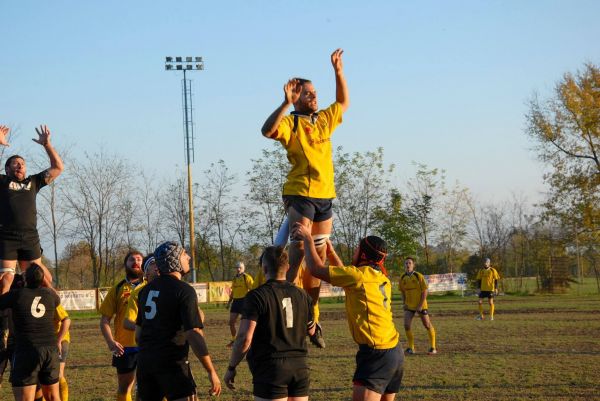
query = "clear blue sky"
x=439 y=82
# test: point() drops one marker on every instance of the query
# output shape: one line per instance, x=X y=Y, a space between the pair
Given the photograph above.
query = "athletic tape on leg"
x=320 y=239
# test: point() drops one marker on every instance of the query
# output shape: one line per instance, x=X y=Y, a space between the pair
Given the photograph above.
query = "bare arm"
x=196 y=341
x=65 y=324
x=241 y=346
x=115 y=347
x=56 y=164
x=311 y=257
x=4 y=130
x=341 y=88
x=334 y=259
x=291 y=91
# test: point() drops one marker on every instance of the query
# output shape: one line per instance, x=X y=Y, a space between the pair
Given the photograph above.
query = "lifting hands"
x=336 y=60
x=43 y=135
x=4 y=130
x=292 y=90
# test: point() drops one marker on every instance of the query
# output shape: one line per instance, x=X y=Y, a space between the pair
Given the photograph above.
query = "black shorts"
x=315 y=209
x=15 y=245
x=127 y=362
x=486 y=294
x=379 y=370
x=422 y=313
x=64 y=351
x=280 y=378
x=33 y=365
x=237 y=306
x=170 y=379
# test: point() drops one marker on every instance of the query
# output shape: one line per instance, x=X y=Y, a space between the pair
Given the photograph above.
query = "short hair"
x=18 y=282
x=410 y=258
x=10 y=159
x=130 y=253
x=374 y=248
x=34 y=276
x=275 y=260
x=303 y=81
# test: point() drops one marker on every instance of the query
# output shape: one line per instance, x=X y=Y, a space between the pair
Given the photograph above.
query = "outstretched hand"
x=336 y=60
x=292 y=90
x=4 y=130
x=43 y=135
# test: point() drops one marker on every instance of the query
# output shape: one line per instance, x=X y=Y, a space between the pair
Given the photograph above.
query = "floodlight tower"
x=188 y=64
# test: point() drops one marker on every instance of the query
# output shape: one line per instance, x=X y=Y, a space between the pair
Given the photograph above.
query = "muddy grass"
x=538 y=348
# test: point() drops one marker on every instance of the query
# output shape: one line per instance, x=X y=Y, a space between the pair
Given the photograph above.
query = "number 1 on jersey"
x=289 y=312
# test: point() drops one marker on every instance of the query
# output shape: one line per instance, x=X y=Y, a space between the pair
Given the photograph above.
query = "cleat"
x=317 y=338
x=409 y=351
x=492 y=318
x=479 y=318
x=432 y=351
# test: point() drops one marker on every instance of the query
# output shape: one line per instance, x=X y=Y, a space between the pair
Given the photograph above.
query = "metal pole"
x=189 y=174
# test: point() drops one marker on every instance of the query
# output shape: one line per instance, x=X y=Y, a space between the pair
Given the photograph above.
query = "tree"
x=174 y=201
x=453 y=225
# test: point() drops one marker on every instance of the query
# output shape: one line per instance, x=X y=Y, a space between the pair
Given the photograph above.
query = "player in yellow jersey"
x=150 y=273
x=379 y=361
x=62 y=323
x=487 y=280
x=122 y=344
x=309 y=189
x=240 y=286
x=413 y=286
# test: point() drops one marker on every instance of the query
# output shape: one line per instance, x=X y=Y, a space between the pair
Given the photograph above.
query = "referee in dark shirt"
x=275 y=320
x=168 y=324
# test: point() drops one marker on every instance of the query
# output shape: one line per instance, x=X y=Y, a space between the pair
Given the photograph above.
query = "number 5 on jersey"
x=151 y=303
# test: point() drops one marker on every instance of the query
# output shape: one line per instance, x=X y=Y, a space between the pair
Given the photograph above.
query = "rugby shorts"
x=315 y=209
x=32 y=365
x=486 y=294
x=379 y=370
x=237 y=306
x=16 y=245
x=158 y=379
x=127 y=362
x=280 y=378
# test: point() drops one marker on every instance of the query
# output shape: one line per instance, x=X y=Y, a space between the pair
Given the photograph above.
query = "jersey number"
x=289 y=312
x=385 y=298
x=37 y=309
x=151 y=304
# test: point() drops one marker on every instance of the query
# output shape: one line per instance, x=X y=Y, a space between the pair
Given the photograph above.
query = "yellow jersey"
x=115 y=305
x=241 y=285
x=131 y=311
x=368 y=305
x=488 y=279
x=309 y=152
x=412 y=286
x=61 y=314
x=259 y=279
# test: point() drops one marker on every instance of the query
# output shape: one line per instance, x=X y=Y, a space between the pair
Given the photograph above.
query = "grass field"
x=540 y=347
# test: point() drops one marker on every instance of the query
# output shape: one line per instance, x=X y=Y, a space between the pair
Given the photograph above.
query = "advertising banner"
x=447 y=282
x=78 y=299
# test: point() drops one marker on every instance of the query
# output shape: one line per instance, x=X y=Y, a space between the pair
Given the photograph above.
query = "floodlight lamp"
x=199 y=66
x=179 y=67
x=169 y=59
x=168 y=67
x=188 y=59
x=198 y=59
x=188 y=67
x=178 y=59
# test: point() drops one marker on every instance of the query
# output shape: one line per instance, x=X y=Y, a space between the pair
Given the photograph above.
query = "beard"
x=133 y=273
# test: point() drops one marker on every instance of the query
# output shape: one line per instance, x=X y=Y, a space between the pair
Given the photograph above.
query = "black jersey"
x=167 y=308
x=17 y=202
x=282 y=313
x=32 y=315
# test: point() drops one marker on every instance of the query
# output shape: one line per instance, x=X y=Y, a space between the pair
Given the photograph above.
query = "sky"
x=436 y=82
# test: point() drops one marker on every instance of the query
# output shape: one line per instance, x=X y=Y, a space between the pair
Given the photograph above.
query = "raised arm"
x=311 y=257
x=4 y=130
x=56 y=164
x=341 y=88
x=291 y=91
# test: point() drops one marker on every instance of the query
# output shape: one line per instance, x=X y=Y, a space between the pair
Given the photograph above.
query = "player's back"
x=282 y=312
x=165 y=304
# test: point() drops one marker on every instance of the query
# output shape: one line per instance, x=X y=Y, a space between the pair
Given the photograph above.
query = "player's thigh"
x=426 y=321
x=408 y=318
x=24 y=393
x=295 y=216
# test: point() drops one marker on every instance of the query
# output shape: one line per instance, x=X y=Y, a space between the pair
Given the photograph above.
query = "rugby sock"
x=411 y=339
x=124 y=397
x=492 y=310
x=316 y=312
x=481 y=310
x=431 y=334
x=64 y=389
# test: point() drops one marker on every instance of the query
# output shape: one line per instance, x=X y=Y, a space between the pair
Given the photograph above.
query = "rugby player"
x=309 y=190
x=19 y=239
x=379 y=361
x=413 y=286
x=240 y=286
x=166 y=328
x=487 y=281
x=275 y=320
x=122 y=345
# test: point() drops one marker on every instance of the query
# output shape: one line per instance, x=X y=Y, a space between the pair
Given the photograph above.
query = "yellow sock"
x=411 y=339
x=316 y=312
x=480 y=309
x=431 y=334
x=64 y=389
x=124 y=397
x=492 y=310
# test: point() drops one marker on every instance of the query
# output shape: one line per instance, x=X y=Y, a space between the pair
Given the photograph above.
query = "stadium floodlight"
x=188 y=63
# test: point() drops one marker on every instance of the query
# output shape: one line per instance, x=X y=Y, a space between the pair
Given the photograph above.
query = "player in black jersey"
x=36 y=355
x=275 y=321
x=19 y=239
x=168 y=324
